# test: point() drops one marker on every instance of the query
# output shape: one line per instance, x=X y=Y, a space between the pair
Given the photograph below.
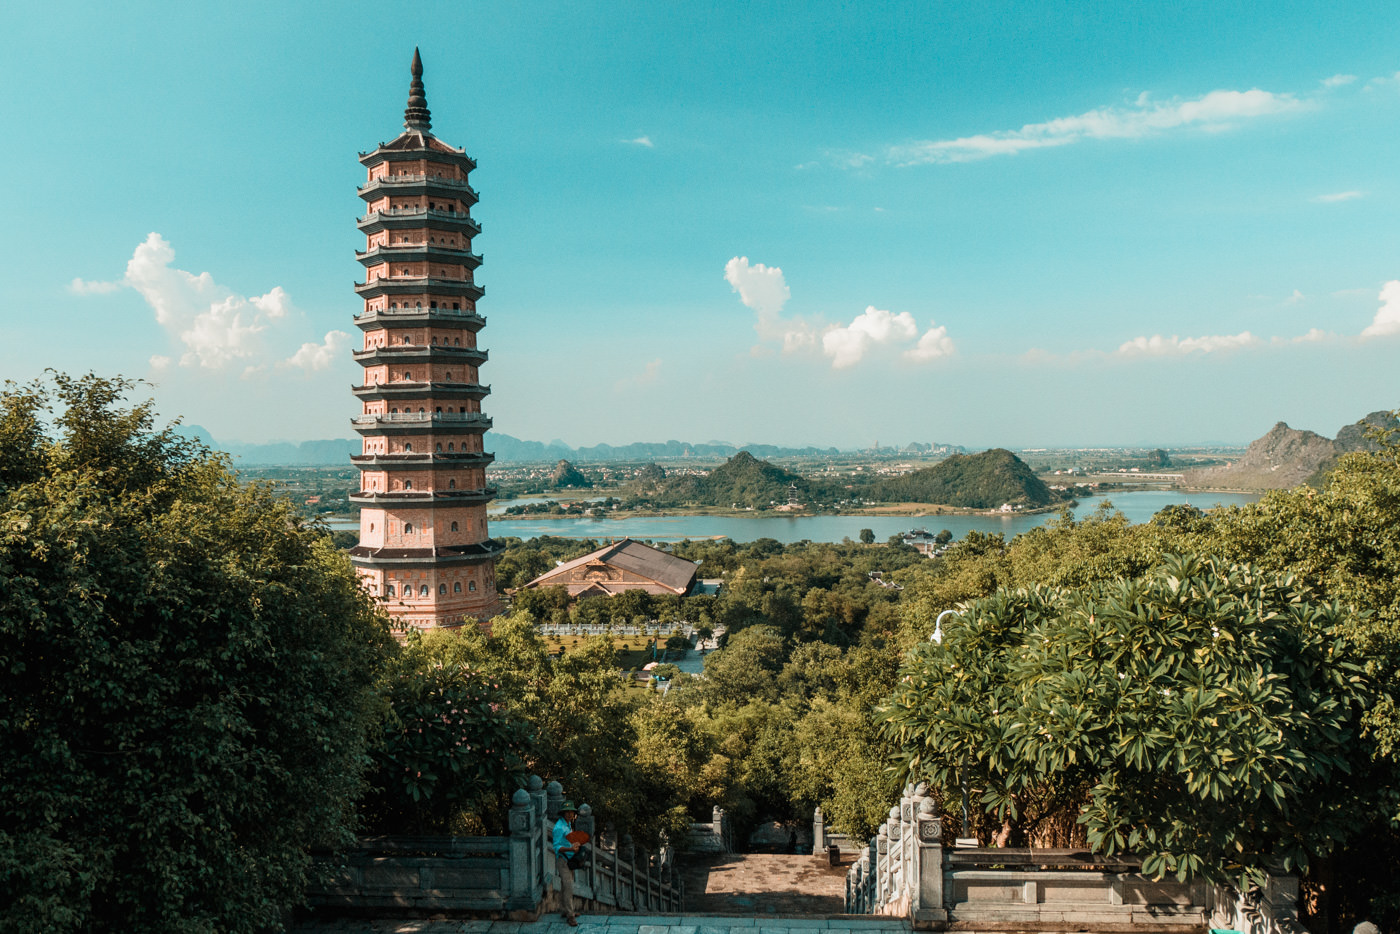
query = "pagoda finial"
x=416 y=115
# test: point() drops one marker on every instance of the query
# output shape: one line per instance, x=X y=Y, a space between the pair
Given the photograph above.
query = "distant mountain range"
x=508 y=450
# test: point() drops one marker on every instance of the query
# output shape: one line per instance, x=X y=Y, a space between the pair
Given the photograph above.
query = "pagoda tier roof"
x=415 y=391
x=487 y=550
x=418 y=219
x=419 y=353
x=416 y=317
x=402 y=498
x=417 y=252
x=416 y=461
x=401 y=423
x=415 y=285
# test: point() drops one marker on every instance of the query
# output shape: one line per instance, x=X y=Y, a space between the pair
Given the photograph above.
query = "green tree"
x=188 y=677
x=1207 y=716
x=867 y=536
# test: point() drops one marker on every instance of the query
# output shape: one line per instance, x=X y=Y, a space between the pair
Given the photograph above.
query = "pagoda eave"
x=401 y=498
x=447 y=154
x=419 y=461
x=420 y=353
x=437 y=186
x=442 y=221
x=365 y=557
x=418 y=253
x=390 y=425
x=374 y=319
x=418 y=285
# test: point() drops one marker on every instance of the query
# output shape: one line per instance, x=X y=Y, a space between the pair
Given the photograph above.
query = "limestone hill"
x=743 y=480
x=1286 y=457
x=566 y=476
x=978 y=481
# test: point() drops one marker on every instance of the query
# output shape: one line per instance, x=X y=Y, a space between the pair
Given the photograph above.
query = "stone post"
x=584 y=822
x=555 y=797
x=542 y=828
x=926 y=903
x=881 y=865
x=627 y=862
x=818 y=833
x=521 y=843
x=893 y=864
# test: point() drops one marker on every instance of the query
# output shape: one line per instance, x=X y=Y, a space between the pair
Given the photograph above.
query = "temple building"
x=624 y=565
x=424 y=549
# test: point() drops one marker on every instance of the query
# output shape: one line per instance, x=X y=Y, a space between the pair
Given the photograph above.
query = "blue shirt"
x=561 y=829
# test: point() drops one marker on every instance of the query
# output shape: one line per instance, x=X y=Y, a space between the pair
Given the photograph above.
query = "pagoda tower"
x=424 y=549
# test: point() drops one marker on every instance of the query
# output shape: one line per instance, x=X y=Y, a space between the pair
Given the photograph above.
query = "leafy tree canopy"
x=186 y=676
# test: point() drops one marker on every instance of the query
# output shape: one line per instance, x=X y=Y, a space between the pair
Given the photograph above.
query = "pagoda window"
x=454 y=526
x=423 y=590
x=457 y=587
x=456 y=342
x=449 y=447
x=394 y=305
x=456 y=306
x=438 y=411
x=449 y=376
x=407 y=446
x=388 y=590
x=408 y=484
x=408 y=528
x=442 y=590
x=394 y=410
x=408 y=374
x=420 y=410
x=452 y=484
x=439 y=447
x=471 y=585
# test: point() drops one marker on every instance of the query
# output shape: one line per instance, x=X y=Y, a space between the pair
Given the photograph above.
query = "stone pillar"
x=554 y=793
x=522 y=883
x=926 y=903
x=627 y=863
x=818 y=833
x=881 y=865
x=544 y=853
x=584 y=822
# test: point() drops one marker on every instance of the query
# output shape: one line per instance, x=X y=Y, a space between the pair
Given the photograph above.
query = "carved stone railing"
x=905 y=872
x=511 y=876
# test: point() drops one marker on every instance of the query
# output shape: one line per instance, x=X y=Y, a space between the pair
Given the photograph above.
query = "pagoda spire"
x=416 y=115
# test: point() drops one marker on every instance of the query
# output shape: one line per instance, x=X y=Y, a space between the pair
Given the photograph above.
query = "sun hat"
x=567 y=806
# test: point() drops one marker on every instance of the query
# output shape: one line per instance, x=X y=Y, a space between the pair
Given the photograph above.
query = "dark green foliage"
x=1208 y=714
x=185 y=678
x=567 y=476
x=978 y=481
x=451 y=745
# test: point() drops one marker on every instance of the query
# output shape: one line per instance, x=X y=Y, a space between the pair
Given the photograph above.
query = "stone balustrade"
x=905 y=872
x=510 y=876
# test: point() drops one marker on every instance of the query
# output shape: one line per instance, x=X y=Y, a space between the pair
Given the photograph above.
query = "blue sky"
x=1019 y=224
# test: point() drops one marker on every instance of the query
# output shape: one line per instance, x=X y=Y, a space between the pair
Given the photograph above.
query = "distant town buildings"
x=424 y=550
x=624 y=565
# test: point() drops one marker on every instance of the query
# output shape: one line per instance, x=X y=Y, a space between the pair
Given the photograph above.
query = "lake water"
x=1137 y=505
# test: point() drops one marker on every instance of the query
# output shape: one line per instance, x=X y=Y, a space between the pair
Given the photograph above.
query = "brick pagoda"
x=424 y=548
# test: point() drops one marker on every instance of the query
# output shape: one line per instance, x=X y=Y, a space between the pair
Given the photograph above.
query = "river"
x=1137 y=505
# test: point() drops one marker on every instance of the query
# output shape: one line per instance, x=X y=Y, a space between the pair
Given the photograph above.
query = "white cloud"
x=1217 y=110
x=1387 y=320
x=1337 y=81
x=313 y=356
x=847 y=345
x=215 y=325
x=934 y=344
x=1295 y=298
x=82 y=287
x=764 y=289
x=160 y=362
x=1159 y=346
x=649 y=375
x=1338 y=196
x=641 y=141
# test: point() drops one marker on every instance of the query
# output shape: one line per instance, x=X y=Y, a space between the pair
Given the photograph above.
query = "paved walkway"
x=615 y=924
x=764 y=884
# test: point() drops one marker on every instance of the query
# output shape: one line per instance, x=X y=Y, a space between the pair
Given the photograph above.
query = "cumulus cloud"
x=1337 y=81
x=934 y=344
x=764 y=289
x=1159 y=346
x=1338 y=196
x=1387 y=320
x=215 y=325
x=313 y=356
x=641 y=141
x=847 y=345
x=160 y=362
x=1218 y=110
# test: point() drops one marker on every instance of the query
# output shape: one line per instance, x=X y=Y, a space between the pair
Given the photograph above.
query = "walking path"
x=764 y=884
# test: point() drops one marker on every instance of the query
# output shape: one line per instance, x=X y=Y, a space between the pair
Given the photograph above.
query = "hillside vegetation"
x=743 y=480
x=977 y=481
